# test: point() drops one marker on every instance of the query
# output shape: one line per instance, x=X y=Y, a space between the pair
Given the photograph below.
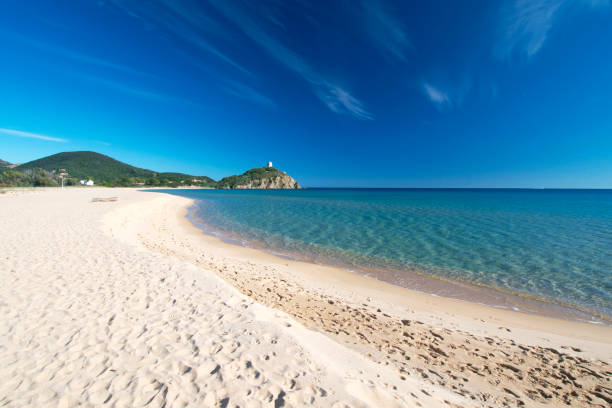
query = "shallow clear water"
x=550 y=244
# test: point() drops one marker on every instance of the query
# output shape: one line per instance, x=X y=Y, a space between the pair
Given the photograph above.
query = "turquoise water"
x=554 y=245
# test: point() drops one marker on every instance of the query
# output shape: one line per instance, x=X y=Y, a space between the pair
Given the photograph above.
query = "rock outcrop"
x=260 y=178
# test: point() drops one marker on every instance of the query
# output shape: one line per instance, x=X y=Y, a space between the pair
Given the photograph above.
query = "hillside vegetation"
x=27 y=178
x=71 y=167
x=82 y=165
x=4 y=163
x=106 y=171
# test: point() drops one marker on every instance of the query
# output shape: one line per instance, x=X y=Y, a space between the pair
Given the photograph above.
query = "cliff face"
x=279 y=182
x=260 y=178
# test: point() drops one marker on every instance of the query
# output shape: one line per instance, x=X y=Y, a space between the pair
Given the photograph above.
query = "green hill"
x=82 y=165
x=4 y=163
x=105 y=170
x=259 y=178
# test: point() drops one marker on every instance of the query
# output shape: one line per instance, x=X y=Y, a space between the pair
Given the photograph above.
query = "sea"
x=538 y=251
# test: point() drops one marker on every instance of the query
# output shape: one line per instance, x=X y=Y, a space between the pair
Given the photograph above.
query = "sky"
x=370 y=93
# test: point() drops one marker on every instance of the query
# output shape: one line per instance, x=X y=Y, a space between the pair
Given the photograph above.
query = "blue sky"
x=340 y=93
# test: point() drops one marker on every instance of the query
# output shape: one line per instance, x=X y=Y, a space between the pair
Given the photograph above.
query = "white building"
x=269 y=164
x=87 y=182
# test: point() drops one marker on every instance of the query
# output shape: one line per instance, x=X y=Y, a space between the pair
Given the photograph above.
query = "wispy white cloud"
x=438 y=97
x=525 y=24
x=184 y=20
x=117 y=85
x=19 y=133
x=76 y=56
x=335 y=97
x=230 y=86
x=384 y=29
x=246 y=92
x=256 y=31
x=340 y=101
x=196 y=23
x=134 y=91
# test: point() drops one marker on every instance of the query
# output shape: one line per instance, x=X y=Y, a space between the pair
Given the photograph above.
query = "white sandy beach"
x=123 y=304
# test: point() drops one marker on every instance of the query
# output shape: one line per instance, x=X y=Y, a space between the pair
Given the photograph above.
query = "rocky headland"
x=260 y=178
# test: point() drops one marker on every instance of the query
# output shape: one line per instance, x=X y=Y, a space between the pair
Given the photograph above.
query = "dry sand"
x=124 y=303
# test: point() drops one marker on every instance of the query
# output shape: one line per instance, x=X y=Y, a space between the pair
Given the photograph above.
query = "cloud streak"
x=194 y=26
x=77 y=56
x=198 y=23
x=525 y=24
x=134 y=91
x=384 y=30
x=340 y=101
x=184 y=21
x=19 y=133
x=246 y=92
x=436 y=96
x=336 y=98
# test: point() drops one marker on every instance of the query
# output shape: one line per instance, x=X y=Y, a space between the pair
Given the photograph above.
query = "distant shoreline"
x=461 y=188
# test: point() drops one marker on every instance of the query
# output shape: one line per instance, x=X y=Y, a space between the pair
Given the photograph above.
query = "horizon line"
x=462 y=188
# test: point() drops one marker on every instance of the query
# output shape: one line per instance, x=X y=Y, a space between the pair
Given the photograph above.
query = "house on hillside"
x=269 y=164
x=87 y=182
